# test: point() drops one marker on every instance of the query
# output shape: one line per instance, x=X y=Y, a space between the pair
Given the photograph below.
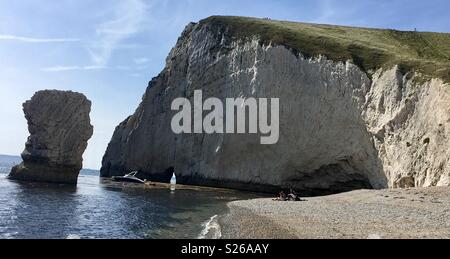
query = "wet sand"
x=366 y=214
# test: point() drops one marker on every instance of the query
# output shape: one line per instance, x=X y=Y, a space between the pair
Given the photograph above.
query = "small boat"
x=129 y=178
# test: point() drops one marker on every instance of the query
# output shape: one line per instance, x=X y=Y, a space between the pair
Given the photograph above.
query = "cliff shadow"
x=163 y=177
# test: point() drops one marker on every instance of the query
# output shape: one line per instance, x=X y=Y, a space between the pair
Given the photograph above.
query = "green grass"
x=370 y=49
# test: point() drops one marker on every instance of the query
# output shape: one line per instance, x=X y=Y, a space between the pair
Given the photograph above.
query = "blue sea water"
x=97 y=209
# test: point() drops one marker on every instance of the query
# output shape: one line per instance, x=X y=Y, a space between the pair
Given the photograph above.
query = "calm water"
x=99 y=209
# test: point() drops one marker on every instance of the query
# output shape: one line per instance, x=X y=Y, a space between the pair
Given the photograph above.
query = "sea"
x=102 y=209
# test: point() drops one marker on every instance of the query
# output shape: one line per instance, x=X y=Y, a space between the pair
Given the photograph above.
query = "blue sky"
x=110 y=49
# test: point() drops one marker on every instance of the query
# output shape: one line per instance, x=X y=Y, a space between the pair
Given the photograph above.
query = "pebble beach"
x=365 y=214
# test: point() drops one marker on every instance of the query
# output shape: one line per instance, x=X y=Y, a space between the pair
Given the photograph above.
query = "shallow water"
x=102 y=209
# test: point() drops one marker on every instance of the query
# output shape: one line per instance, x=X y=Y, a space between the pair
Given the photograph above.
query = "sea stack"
x=59 y=126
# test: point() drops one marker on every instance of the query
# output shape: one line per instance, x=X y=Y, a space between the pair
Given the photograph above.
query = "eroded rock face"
x=410 y=125
x=60 y=128
x=339 y=130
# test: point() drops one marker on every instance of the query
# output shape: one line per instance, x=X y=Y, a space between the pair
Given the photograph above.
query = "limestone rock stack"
x=59 y=126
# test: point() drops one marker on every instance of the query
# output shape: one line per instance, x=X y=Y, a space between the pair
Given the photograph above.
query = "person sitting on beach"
x=282 y=197
x=292 y=196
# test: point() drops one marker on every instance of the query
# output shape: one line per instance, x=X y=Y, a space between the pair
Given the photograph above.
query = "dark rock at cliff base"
x=60 y=128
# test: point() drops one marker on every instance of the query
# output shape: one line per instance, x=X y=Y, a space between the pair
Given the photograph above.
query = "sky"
x=110 y=49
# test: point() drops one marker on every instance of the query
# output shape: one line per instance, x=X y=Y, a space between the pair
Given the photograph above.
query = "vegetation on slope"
x=424 y=52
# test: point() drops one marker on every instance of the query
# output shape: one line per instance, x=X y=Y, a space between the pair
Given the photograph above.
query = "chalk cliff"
x=60 y=128
x=353 y=112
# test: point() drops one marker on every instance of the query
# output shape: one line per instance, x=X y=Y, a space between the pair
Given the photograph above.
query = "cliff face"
x=339 y=129
x=60 y=128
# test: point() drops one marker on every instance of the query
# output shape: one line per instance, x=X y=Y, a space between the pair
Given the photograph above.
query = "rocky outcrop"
x=410 y=127
x=60 y=128
x=340 y=129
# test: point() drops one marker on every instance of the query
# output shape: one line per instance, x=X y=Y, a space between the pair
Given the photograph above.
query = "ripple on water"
x=97 y=209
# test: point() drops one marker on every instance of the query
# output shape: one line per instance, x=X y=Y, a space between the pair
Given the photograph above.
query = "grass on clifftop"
x=370 y=49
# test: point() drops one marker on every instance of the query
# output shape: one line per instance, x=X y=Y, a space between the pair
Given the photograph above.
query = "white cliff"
x=339 y=129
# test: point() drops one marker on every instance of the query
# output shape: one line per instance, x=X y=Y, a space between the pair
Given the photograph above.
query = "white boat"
x=130 y=178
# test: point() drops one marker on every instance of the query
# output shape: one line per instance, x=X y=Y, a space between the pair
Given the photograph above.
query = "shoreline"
x=367 y=214
x=417 y=213
x=242 y=223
